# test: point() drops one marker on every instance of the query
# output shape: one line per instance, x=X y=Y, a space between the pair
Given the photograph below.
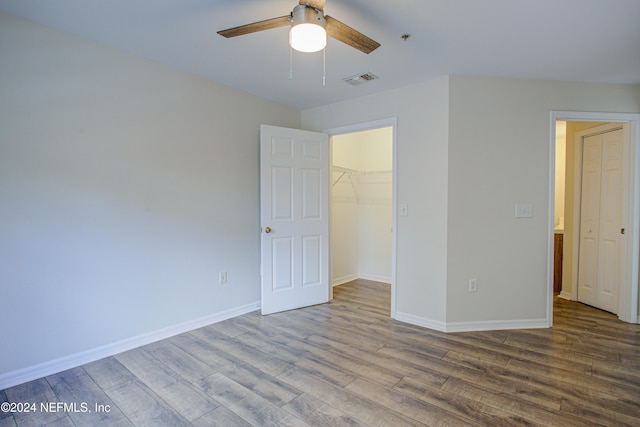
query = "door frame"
x=359 y=127
x=628 y=295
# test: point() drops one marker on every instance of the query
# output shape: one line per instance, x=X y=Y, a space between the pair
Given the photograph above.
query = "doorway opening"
x=569 y=131
x=362 y=226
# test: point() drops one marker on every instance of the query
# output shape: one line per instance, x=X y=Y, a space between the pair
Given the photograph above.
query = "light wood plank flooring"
x=348 y=364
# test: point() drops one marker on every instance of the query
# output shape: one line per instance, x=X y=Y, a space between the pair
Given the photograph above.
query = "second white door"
x=601 y=221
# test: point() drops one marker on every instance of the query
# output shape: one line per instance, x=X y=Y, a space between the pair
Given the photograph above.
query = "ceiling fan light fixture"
x=307 y=33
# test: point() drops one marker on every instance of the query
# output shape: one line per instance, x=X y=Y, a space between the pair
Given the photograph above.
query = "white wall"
x=469 y=149
x=345 y=222
x=361 y=206
x=499 y=156
x=125 y=187
x=422 y=116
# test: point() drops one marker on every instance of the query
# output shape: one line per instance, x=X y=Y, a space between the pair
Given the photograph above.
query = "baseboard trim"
x=497 y=325
x=41 y=370
x=375 y=278
x=491 y=325
x=565 y=295
x=421 y=321
x=346 y=279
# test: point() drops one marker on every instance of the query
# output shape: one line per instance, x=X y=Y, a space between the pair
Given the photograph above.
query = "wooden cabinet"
x=557 y=263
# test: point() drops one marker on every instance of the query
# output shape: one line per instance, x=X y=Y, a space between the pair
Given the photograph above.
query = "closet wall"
x=361 y=206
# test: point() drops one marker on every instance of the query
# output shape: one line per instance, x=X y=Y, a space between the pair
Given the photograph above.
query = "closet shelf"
x=351 y=172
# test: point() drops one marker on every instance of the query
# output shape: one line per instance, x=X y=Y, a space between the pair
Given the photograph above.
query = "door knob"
x=267 y=230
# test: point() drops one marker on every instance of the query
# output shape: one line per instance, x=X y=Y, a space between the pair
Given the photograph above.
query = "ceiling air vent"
x=359 y=79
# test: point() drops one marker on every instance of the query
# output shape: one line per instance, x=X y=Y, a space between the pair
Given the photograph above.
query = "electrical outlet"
x=223 y=277
x=473 y=285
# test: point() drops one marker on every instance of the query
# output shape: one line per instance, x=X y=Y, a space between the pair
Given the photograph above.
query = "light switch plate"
x=524 y=210
x=404 y=209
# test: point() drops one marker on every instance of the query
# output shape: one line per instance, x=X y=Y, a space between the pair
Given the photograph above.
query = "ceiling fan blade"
x=316 y=4
x=348 y=35
x=267 y=24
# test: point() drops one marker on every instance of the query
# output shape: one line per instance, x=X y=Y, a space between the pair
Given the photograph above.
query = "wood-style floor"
x=348 y=364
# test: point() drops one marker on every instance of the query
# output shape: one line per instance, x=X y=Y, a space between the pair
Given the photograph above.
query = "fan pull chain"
x=290 y=63
x=324 y=66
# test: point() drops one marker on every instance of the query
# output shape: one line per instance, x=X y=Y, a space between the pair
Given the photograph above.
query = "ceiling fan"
x=308 y=18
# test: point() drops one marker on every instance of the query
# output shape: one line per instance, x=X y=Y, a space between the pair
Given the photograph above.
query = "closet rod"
x=357 y=172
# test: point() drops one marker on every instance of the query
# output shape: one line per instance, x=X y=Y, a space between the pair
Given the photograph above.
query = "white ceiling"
x=579 y=40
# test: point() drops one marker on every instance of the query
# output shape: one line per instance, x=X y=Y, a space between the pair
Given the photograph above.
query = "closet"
x=361 y=206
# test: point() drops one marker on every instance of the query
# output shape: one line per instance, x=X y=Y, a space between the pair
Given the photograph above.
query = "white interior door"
x=589 y=219
x=601 y=223
x=294 y=206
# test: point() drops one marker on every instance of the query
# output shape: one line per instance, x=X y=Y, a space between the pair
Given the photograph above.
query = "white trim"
x=375 y=278
x=490 y=325
x=421 y=321
x=566 y=295
x=351 y=277
x=344 y=279
x=51 y=367
x=497 y=325
x=551 y=220
x=628 y=310
x=376 y=124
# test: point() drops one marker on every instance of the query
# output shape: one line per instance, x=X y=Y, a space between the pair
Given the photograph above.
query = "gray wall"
x=422 y=138
x=125 y=187
x=469 y=149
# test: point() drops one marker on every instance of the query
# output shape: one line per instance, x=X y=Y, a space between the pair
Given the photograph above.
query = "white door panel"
x=603 y=185
x=294 y=218
x=610 y=221
x=589 y=219
x=282 y=263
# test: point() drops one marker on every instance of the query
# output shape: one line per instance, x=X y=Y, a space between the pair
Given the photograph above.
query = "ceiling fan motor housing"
x=308 y=26
x=307 y=14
